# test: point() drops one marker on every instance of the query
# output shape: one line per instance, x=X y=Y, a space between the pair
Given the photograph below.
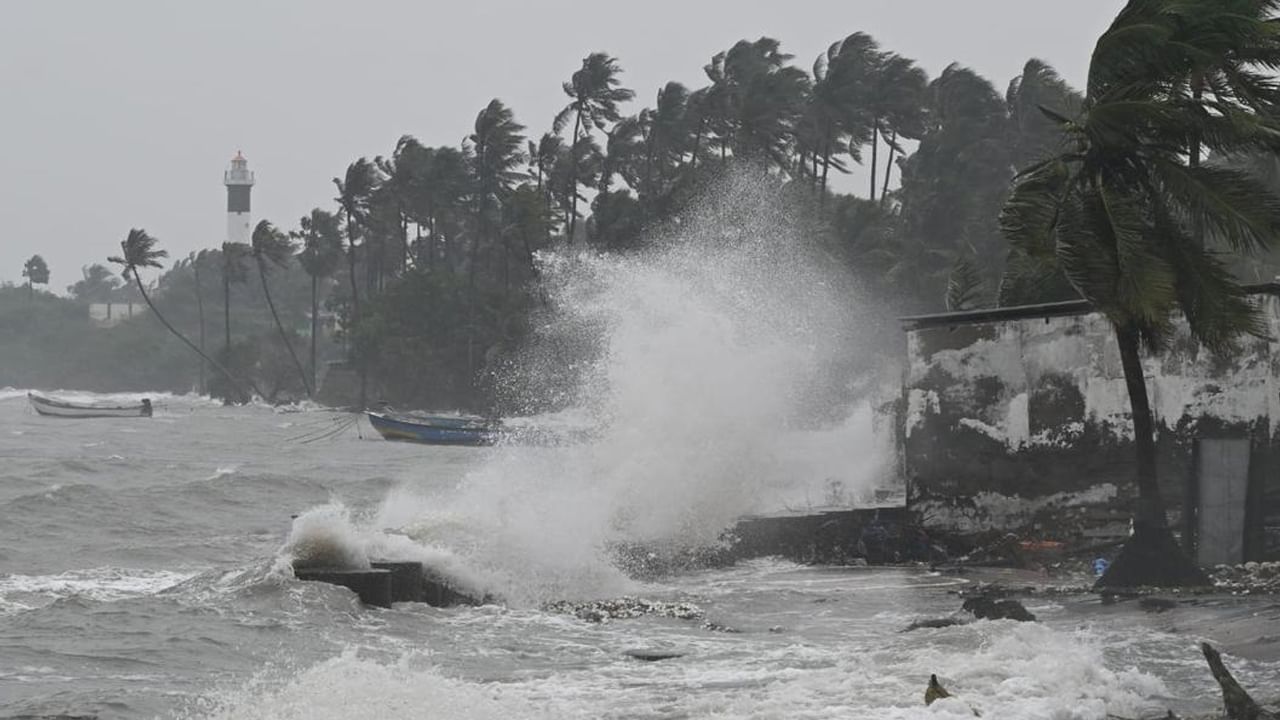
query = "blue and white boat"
x=435 y=429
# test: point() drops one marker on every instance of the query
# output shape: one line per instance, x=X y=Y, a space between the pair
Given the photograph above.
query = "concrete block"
x=373 y=586
x=408 y=582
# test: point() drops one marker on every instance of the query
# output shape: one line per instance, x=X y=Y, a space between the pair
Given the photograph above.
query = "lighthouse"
x=239 y=182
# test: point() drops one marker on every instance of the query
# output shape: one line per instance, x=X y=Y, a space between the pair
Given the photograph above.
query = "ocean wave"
x=103 y=584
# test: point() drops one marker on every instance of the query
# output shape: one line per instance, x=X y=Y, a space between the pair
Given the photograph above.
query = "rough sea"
x=143 y=574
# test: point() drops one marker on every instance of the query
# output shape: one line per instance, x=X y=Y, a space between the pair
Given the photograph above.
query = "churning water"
x=145 y=563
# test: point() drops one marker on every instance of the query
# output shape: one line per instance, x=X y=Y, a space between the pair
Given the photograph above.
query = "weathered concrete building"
x=1018 y=419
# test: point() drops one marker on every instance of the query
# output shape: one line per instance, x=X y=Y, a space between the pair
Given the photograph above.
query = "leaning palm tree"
x=138 y=250
x=272 y=247
x=595 y=96
x=1118 y=208
x=321 y=253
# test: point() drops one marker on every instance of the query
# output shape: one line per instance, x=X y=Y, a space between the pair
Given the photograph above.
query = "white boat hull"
x=57 y=408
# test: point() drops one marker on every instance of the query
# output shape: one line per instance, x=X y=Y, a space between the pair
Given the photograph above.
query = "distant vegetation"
x=428 y=256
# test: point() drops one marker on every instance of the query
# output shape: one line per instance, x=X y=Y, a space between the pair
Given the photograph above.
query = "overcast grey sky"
x=124 y=114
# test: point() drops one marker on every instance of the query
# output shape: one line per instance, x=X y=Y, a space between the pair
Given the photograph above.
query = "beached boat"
x=61 y=408
x=434 y=429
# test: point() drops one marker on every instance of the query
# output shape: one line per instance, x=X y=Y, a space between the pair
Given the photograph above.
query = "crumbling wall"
x=1024 y=421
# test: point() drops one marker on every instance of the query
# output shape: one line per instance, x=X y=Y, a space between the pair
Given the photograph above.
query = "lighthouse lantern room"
x=239 y=181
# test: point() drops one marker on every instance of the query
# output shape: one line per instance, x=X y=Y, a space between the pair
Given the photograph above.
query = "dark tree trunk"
x=266 y=290
x=573 y=178
x=875 y=151
x=315 y=324
x=355 y=308
x=826 y=167
x=1150 y=509
x=226 y=309
x=217 y=365
x=888 y=166
x=195 y=269
x=1151 y=556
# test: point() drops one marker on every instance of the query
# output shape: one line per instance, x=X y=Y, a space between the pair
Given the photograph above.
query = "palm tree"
x=36 y=271
x=445 y=184
x=595 y=96
x=97 y=285
x=355 y=191
x=496 y=145
x=758 y=100
x=542 y=159
x=195 y=260
x=138 y=250
x=321 y=253
x=1033 y=135
x=269 y=245
x=1117 y=209
x=895 y=103
x=834 y=111
x=234 y=270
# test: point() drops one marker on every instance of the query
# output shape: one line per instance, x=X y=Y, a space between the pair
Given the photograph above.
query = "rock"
x=984 y=608
x=934 y=691
x=717 y=627
x=932 y=623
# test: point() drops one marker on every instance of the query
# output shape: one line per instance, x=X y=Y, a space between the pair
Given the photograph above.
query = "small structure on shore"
x=1017 y=420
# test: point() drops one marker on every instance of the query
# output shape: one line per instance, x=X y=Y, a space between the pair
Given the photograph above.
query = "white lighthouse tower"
x=239 y=181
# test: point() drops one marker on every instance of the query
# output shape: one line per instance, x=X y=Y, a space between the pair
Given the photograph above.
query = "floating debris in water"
x=599 y=611
x=1251 y=578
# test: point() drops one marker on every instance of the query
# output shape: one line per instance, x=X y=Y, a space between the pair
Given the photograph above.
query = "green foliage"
x=98 y=285
x=1121 y=211
x=964 y=286
x=36 y=271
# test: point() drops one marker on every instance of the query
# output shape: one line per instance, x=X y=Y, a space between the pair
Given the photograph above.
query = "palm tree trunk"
x=875 y=148
x=573 y=178
x=888 y=166
x=195 y=268
x=315 y=323
x=355 y=304
x=266 y=290
x=826 y=167
x=1150 y=512
x=217 y=365
x=226 y=311
x=1151 y=556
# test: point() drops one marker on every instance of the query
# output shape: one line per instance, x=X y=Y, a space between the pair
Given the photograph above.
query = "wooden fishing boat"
x=434 y=429
x=61 y=408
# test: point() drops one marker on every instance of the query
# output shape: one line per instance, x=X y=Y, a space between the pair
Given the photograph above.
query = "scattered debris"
x=1251 y=578
x=598 y=611
x=1236 y=701
x=933 y=623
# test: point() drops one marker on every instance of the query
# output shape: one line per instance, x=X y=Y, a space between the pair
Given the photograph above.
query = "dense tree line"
x=428 y=256
x=440 y=276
